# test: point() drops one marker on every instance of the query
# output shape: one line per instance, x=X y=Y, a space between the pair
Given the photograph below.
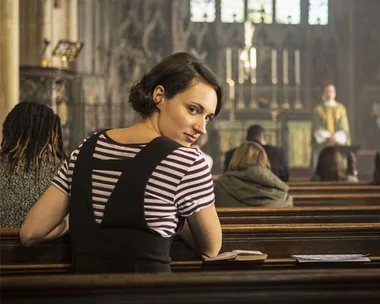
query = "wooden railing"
x=277 y=240
x=350 y=285
x=339 y=199
x=297 y=215
x=334 y=189
x=279 y=232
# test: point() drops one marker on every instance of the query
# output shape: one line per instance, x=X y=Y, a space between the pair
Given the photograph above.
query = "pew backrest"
x=298 y=215
x=270 y=286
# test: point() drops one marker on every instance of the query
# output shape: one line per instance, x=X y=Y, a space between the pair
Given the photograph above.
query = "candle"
x=274 y=66
x=241 y=67
x=297 y=63
x=253 y=61
x=285 y=70
x=228 y=64
x=232 y=89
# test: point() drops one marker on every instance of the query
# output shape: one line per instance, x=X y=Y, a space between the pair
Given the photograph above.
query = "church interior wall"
x=123 y=39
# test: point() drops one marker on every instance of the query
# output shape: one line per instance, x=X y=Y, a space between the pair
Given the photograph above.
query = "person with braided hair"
x=31 y=153
x=129 y=191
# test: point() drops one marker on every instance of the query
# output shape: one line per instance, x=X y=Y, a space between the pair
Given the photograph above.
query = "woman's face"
x=184 y=117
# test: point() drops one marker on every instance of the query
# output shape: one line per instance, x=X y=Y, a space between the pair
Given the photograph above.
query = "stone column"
x=9 y=58
x=352 y=72
x=58 y=30
x=73 y=19
x=31 y=31
x=48 y=30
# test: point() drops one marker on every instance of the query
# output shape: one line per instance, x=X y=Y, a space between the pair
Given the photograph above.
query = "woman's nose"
x=200 y=127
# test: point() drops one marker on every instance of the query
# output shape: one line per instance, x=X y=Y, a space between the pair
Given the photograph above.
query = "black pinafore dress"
x=122 y=242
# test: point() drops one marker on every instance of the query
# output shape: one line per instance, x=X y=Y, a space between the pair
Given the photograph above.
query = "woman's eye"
x=193 y=110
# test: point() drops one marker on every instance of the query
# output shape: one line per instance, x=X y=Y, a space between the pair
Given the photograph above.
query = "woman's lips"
x=190 y=138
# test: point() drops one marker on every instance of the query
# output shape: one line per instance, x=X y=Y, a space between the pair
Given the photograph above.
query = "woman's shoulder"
x=189 y=153
x=189 y=159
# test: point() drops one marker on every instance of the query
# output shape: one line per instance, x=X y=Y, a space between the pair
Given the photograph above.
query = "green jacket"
x=255 y=186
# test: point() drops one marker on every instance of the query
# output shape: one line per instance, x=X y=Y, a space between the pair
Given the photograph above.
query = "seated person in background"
x=30 y=155
x=330 y=167
x=376 y=173
x=250 y=182
x=276 y=155
x=202 y=140
x=130 y=190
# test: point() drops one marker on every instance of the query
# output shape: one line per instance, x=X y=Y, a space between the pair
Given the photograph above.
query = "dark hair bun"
x=175 y=73
x=142 y=102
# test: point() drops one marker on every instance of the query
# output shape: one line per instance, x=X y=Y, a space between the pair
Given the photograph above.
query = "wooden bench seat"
x=316 y=183
x=283 y=240
x=260 y=286
x=364 y=199
x=334 y=189
x=277 y=240
x=297 y=215
x=199 y=266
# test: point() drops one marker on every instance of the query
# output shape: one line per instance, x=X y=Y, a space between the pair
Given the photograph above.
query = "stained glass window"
x=288 y=11
x=202 y=10
x=232 y=10
x=318 y=12
x=260 y=11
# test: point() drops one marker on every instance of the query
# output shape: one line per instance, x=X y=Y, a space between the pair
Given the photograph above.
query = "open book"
x=237 y=255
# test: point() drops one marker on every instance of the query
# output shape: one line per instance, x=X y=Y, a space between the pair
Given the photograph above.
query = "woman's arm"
x=202 y=231
x=195 y=201
x=47 y=219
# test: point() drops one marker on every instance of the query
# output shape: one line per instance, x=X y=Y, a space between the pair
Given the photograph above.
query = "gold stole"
x=330 y=119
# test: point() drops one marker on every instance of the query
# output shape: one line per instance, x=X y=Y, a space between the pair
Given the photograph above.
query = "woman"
x=250 y=182
x=330 y=167
x=129 y=190
x=30 y=155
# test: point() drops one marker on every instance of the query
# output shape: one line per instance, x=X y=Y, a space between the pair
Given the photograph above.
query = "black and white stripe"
x=179 y=186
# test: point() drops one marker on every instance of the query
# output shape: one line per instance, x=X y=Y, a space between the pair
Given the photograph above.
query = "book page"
x=246 y=252
x=251 y=257
x=238 y=255
x=312 y=258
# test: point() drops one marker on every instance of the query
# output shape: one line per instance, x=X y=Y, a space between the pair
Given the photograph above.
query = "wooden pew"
x=283 y=240
x=334 y=189
x=298 y=215
x=340 y=183
x=334 y=194
x=277 y=240
x=199 y=266
x=322 y=199
x=308 y=183
x=269 y=263
x=269 y=286
x=13 y=252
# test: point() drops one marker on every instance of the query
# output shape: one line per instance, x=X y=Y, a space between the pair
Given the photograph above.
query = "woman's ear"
x=158 y=95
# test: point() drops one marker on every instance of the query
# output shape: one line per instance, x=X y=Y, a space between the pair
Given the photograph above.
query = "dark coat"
x=277 y=159
x=255 y=186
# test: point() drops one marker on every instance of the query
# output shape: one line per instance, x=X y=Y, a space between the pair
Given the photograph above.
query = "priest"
x=330 y=123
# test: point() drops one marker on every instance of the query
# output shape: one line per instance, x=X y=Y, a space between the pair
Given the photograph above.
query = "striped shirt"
x=178 y=187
